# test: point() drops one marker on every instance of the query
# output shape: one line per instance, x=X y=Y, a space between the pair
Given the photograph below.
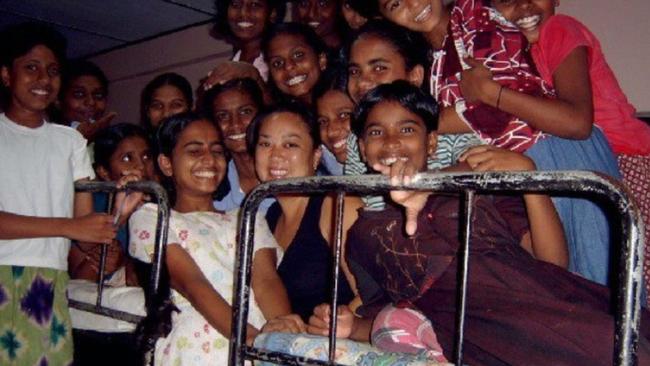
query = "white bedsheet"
x=128 y=299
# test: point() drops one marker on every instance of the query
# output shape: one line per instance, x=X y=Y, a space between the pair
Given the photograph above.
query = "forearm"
x=361 y=329
x=14 y=226
x=546 y=232
x=554 y=116
x=270 y=293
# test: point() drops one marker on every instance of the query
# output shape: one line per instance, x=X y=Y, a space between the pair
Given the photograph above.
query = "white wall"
x=622 y=26
x=191 y=53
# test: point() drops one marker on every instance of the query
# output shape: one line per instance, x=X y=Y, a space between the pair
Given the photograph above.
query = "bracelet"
x=499 y=96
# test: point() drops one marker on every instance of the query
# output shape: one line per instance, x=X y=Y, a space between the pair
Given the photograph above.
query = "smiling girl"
x=296 y=58
x=242 y=23
x=200 y=254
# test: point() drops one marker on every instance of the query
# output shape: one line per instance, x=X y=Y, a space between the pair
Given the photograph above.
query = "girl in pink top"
x=569 y=57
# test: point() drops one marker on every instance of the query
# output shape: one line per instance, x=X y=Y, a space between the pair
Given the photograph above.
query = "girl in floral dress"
x=201 y=250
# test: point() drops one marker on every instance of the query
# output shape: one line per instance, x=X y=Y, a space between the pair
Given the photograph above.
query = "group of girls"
x=416 y=86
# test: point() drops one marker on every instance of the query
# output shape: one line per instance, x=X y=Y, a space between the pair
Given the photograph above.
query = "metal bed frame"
x=162 y=225
x=627 y=318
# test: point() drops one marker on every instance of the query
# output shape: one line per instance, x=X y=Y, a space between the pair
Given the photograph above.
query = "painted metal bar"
x=463 y=270
x=162 y=223
x=336 y=269
x=587 y=184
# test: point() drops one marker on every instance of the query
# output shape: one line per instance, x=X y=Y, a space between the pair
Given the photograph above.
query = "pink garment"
x=477 y=30
x=559 y=36
x=405 y=330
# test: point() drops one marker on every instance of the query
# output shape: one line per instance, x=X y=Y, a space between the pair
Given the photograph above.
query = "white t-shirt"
x=39 y=167
x=259 y=64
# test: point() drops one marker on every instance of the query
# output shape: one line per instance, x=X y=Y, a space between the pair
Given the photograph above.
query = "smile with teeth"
x=278 y=172
x=314 y=24
x=239 y=136
x=423 y=14
x=209 y=174
x=529 y=22
x=392 y=160
x=340 y=144
x=244 y=24
x=296 y=80
x=40 y=92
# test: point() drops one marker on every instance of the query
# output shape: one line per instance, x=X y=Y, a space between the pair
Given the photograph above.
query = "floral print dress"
x=210 y=239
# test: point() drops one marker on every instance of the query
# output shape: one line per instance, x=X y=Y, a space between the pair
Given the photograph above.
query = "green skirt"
x=35 y=327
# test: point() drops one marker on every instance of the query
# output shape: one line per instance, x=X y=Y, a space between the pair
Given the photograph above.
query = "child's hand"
x=401 y=172
x=89 y=130
x=127 y=202
x=491 y=158
x=229 y=70
x=474 y=82
x=291 y=323
x=319 y=322
x=114 y=256
x=93 y=228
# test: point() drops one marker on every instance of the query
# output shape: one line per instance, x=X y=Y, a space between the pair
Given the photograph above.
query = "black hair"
x=405 y=94
x=18 y=40
x=77 y=68
x=108 y=139
x=303 y=31
x=335 y=77
x=246 y=85
x=161 y=80
x=365 y=8
x=410 y=45
x=297 y=108
x=221 y=29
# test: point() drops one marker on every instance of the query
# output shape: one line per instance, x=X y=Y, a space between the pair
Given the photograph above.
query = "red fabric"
x=475 y=31
x=560 y=35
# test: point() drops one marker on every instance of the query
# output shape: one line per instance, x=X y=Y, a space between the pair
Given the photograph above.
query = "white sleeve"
x=263 y=236
x=81 y=166
x=142 y=232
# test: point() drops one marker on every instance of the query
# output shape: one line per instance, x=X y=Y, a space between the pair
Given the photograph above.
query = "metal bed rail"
x=162 y=223
x=587 y=184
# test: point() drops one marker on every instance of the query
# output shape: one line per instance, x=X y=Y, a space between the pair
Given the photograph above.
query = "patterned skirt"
x=636 y=176
x=35 y=327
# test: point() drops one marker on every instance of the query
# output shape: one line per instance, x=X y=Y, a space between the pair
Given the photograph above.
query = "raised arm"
x=545 y=241
x=570 y=115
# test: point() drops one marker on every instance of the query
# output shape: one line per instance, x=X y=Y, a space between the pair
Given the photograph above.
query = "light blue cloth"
x=329 y=163
x=234 y=199
x=586 y=226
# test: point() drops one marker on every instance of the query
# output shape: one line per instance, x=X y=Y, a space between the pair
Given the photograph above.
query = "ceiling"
x=95 y=26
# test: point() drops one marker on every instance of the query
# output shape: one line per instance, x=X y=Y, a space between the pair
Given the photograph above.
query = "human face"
x=131 y=158
x=393 y=133
x=33 y=81
x=247 y=19
x=285 y=148
x=527 y=15
x=375 y=61
x=416 y=15
x=198 y=163
x=84 y=100
x=318 y=14
x=233 y=111
x=354 y=19
x=166 y=101
x=334 y=110
x=294 y=66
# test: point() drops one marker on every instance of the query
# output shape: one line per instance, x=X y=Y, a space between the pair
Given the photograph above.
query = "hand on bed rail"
x=491 y=158
x=126 y=201
x=402 y=171
x=319 y=322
